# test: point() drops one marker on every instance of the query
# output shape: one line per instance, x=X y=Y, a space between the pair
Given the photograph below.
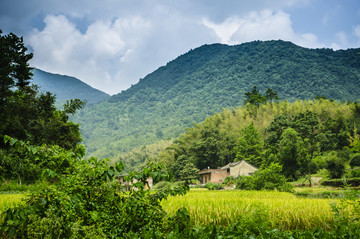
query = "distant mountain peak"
x=67 y=87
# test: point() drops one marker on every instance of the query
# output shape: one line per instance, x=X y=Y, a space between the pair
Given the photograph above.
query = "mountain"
x=66 y=87
x=206 y=80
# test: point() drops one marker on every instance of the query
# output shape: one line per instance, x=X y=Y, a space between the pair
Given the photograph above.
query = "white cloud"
x=92 y=56
x=260 y=25
x=110 y=45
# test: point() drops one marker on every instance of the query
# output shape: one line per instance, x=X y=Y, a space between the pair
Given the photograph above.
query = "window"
x=209 y=177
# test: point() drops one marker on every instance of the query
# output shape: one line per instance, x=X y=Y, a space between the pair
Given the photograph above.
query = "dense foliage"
x=88 y=202
x=25 y=113
x=303 y=137
x=268 y=178
x=26 y=163
x=209 y=78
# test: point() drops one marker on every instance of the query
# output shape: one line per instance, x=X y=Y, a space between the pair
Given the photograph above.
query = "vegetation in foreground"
x=83 y=198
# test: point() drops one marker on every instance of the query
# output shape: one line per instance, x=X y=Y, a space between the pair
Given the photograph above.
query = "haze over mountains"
x=67 y=87
x=207 y=79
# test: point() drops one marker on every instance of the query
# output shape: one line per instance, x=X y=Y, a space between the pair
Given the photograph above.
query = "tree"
x=335 y=165
x=189 y=173
x=276 y=129
x=14 y=67
x=254 y=97
x=355 y=161
x=271 y=95
x=25 y=113
x=249 y=146
x=292 y=154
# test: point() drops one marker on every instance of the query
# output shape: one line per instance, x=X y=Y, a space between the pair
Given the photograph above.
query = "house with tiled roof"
x=241 y=168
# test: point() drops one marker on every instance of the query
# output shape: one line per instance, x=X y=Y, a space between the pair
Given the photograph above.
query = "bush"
x=268 y=178
x=26 y=163
x=355 y=160
x=230 y=180
x=214 y=186
x=90 y=203
x=353 y=182
x=335 y=166
x=245 y=183
x=355 y=173
x=166 y=185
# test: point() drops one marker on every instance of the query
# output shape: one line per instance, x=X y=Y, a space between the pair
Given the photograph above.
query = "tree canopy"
x=25 y=113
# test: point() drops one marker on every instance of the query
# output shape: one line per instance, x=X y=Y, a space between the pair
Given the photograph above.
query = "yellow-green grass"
x=318 y=189
x=10 y=200
x=280 y=210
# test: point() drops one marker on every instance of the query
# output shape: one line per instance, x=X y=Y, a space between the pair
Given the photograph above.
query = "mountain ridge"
x=207 y=79
x=67 y=87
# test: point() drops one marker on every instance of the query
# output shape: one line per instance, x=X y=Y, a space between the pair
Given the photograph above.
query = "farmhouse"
x=241 y=168
x=213 y=175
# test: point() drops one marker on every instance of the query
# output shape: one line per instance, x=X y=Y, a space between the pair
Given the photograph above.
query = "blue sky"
x=110 y=44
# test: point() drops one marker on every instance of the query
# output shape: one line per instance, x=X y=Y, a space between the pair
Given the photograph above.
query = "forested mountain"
x=66 y=87
x=206 y=80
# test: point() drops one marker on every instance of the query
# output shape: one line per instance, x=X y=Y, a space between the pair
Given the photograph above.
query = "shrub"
x=90 y=203
x=268 y=178
x=355 y=173
x=26 y=163
x=214 y=186
x=245 y=183
x=166 y=185
x=335 y=166
x=355 y=160
x=230 y=180
x=353 y=182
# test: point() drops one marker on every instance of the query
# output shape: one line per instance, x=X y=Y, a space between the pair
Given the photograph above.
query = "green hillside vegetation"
x=206 y=80
x=66 y=87
x=303 y=137
x=73 y=197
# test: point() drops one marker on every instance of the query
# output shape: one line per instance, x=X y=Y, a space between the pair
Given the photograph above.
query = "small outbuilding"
x=241 y=168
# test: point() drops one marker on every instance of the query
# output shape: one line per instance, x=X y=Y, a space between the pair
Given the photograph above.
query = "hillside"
x=255 y=135
x=206 y=80
x=66 y=87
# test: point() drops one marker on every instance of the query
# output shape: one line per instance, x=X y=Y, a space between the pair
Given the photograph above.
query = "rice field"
x=280 y=210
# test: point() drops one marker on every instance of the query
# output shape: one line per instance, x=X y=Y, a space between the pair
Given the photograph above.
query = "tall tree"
x=271 y=95
x=249 y=146
x=292 y=153
x=14 y=66
x=254 y=97
x=25 y=113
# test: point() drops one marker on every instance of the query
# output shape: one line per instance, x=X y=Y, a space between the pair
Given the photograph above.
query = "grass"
x=279 y=210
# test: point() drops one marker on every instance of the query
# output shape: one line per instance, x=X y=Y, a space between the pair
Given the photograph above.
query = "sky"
x=111 y=44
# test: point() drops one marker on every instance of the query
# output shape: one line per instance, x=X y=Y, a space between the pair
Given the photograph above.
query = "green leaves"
x=91 y=199
x=29 y=163
x=249 y=146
